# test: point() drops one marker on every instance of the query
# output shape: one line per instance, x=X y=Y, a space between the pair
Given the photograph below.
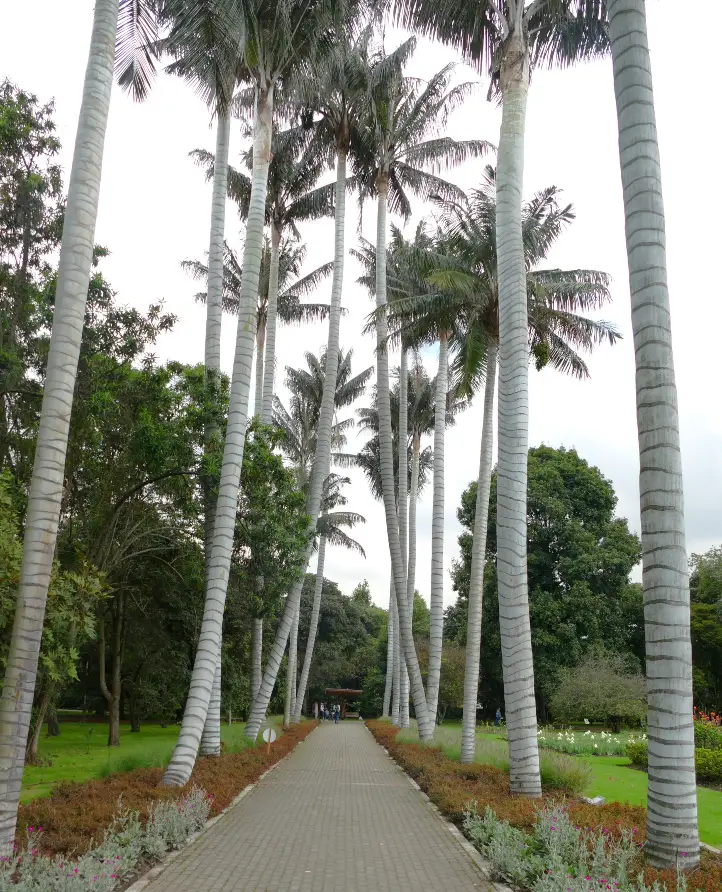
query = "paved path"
x=336 y=816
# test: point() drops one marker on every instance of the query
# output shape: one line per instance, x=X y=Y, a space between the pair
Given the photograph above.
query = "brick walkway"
x=336 y=816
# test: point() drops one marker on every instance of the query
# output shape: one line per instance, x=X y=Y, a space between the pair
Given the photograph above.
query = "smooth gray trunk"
x=211 y=739
x=425 y=722
x=322 y=458
x=46 y=486
x=478 y=555
x=516 y=652
x=199 y=695
x=272 y=316
x=256 y=655
x=260 y=352
x=396 y=669
x=403 y=507
x=312 y=631
x=388 y=685
x=291 y=674
x=436 y=613
x=672 y=832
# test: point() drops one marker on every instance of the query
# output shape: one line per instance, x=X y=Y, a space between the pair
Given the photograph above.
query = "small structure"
x=343 y=695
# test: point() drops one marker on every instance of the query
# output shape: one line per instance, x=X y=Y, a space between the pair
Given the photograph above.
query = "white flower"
x=586 y=721
x=596 y=746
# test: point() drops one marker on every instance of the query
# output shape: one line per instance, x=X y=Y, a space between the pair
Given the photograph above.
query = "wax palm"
x=463 y=294
x=272 y=37
x=332 y=525
x=502 y=38
x=326 y=87
x=403 y=143
x=124 y=22
x=672 y=833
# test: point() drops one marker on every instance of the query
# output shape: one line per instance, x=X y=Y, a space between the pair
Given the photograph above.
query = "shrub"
x=558 y=771
x=637 y=752
x=708 y=734
x=708 y=764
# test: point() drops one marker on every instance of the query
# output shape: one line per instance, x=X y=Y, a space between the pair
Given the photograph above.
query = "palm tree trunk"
x=672 y=832
x=516 y=652
x=272 y=317
x=404 y=717
x=260 y=355
x=256 y=655
x=312 y=630
x=403 y=505
x=425 y=723
x=199 y=695
x=46 y=487
x=322 y=458
x=290 y=701
x=436 y=618
x=478 y=554
x=389 y=663
x=413 y=498
x=211 y=742
x=396 y=686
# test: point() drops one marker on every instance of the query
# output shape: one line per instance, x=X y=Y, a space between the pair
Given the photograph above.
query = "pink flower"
x=31 y=829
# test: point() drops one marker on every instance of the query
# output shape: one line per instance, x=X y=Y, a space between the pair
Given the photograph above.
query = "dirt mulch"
x=451 y=786
x=76 y=814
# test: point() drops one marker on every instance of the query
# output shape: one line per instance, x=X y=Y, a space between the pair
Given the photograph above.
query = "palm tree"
x=672 y=833
x=407 y=116
x=332 y=87
x=112 y=19
x=300 y=433
x=502 y=37
x=274 y=36
x=463 y=275
x=331 y=525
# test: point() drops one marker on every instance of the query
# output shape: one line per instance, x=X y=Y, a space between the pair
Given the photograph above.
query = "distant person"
x=336 y=714
x=360 y=717
x=497 y=718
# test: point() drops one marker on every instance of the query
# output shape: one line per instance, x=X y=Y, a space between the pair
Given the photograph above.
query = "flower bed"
x=707 y=752
x=453 y=787
x=75 y=815
x=587 y=743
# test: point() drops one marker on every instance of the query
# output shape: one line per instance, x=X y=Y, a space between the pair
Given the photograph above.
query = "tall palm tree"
x=300 y=432
x=331 y=87
x=672 y=833
x=502 y=37
x=273 y=37
x=121 y=20
x=462 y=274
x=331 y=524
x=407 y=115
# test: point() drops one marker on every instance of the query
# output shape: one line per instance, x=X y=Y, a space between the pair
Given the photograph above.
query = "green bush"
x=709 y=764
x=707 y=736
x=637 y=752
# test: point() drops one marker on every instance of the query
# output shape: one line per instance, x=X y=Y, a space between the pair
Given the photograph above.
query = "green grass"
x=81 y=752
x=611 y=776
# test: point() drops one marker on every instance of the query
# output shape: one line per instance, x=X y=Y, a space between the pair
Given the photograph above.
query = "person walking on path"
x=336 y=714
x=497 y=718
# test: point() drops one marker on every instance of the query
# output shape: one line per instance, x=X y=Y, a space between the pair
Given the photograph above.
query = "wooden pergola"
x=343 y=695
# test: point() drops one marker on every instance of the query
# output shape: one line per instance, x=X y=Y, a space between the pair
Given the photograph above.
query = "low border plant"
x=126 y=843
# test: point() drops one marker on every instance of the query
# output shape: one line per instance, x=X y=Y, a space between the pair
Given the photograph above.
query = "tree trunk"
x=425 y=723
x=31 y=755
x=211 y=736
x=322 y=458
x=290 y=701
x=312 y=631
x=388 y=686
x=404 y=718
x=53 y=723
x=516 y=652
x=672 y=833
x=396 y=685
x=257 y=655
x=270 y=356
x=207 y=654
x=436 y=613
x=478 y=555
x=403 y=505
x=46 y=487
x=260 y=366
x=214 y=312
x=413 y=498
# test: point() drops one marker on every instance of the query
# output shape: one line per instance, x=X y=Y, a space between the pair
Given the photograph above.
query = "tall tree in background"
x=500 y=37
x=46 y=487
x=672 y=833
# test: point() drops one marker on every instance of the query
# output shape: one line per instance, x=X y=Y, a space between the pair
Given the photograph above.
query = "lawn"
x=81 y=752
x=611 y=777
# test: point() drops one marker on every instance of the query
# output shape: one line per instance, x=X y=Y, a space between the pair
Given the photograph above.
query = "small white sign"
x=269 y=735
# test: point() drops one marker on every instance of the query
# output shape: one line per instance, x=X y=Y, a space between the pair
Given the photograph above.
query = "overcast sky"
x=154 y=213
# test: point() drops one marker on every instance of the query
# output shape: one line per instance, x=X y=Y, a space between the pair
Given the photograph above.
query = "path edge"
x=483 y=866
x=147 y=878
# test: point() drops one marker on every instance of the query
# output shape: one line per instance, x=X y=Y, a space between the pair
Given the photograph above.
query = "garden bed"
x=453 y=786
x=76 y=814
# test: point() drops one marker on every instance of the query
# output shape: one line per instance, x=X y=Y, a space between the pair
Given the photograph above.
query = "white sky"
x=155 y=206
